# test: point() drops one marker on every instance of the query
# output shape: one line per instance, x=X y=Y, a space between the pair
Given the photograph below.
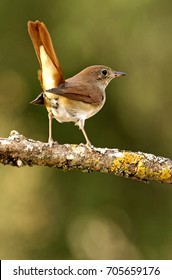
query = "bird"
x=67 y=100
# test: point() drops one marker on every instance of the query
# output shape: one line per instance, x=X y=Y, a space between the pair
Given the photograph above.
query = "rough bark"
x=17 y=150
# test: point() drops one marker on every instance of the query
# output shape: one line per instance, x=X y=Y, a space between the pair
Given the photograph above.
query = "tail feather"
x=51 y=73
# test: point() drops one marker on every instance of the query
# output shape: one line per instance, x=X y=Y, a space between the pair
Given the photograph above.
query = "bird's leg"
x=88 y=143
x=81 y=126
x=50 y=138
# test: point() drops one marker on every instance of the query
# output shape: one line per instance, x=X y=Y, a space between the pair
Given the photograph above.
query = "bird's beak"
x=118 y=74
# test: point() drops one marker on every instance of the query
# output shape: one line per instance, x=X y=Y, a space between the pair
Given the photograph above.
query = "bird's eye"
x=104 y=72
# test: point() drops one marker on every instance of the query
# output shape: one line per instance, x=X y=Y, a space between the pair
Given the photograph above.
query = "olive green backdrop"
x=49 y=214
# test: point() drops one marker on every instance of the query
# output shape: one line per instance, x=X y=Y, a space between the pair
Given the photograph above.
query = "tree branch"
x=17 y=150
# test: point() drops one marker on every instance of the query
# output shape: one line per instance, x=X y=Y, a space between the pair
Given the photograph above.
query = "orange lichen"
x=127 y=159
x=165 y=174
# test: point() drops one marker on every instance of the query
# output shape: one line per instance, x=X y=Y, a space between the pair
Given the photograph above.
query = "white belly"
x=69 y=110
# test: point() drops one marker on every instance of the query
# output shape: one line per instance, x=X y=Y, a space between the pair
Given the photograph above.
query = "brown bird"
x=75 y=99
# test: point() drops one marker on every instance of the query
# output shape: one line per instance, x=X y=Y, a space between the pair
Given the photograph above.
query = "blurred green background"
x=49 y=214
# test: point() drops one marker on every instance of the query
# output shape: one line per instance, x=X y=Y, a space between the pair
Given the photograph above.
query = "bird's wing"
x=80 y=92
x=50 y=74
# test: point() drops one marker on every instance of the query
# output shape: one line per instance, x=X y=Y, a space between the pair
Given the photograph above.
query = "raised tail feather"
x=50 y=73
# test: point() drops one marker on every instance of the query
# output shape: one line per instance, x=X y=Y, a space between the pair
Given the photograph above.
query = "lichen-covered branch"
x=17 y=150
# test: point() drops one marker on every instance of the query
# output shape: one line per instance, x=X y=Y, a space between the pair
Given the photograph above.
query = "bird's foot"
x=89 y=146
x=50 y=142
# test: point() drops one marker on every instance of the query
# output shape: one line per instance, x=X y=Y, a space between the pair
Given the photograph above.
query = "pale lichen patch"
x=19 y=163
x=5 y=142
x=29 y=147
x=70 y=157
